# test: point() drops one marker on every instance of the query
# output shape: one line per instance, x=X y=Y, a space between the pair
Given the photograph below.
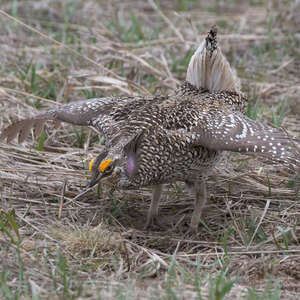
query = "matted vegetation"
x=52 y=247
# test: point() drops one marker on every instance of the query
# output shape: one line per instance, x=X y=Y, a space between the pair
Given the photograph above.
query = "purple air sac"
x=131 y=165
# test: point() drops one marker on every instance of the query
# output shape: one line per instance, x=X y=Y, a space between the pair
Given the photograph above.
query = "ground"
x=52 y=247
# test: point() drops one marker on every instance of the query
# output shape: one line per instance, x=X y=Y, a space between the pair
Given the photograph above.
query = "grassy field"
x=52 y=247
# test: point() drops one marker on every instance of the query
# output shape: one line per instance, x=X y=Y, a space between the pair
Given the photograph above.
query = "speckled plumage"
x=179 y=137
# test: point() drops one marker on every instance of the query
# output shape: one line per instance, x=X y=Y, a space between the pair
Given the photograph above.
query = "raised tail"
x=209 y=69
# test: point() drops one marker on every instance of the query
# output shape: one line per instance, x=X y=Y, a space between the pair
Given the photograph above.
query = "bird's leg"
x=200 y=200
x=153 y=210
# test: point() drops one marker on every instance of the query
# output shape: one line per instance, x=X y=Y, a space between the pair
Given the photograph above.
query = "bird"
x=160 y=139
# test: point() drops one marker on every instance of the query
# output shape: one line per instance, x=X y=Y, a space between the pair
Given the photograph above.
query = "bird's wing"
x=100 y=113
x=222 y=129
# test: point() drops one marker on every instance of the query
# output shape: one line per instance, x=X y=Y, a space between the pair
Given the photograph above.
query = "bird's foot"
x=192 y=231
x=195 y=220
x=153 y=223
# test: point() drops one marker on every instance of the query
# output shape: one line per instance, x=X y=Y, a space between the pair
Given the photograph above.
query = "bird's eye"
x=108 y=168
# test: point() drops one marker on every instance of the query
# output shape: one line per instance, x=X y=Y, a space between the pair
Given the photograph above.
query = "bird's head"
x=119 y=161
x=106 y=164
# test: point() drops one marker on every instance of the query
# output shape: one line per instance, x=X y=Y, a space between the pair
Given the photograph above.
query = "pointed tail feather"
x=209 y=69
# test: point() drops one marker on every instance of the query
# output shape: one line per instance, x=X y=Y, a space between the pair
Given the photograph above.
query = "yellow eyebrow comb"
x=91 y=164
x=105 y=164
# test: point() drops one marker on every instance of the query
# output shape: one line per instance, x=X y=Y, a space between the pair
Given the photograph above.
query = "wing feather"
x=232 y=131
x=78 y=113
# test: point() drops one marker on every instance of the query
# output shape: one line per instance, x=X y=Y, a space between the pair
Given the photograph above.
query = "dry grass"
x=51 y=246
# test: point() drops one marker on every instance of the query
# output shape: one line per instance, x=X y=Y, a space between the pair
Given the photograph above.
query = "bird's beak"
x=84 y=191
x=94 y=181
x=91 y=184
